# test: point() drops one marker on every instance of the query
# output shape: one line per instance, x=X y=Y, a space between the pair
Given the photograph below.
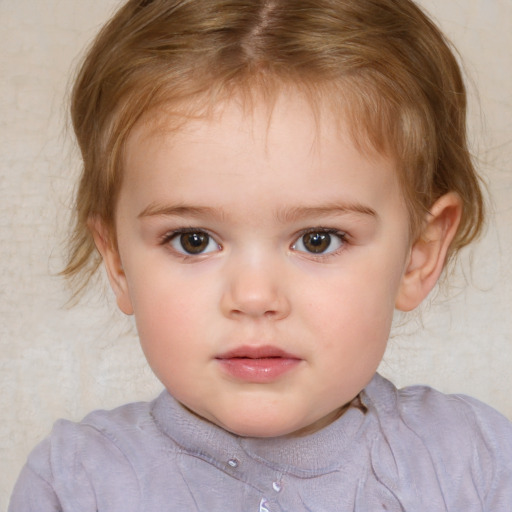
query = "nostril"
x=253 y=295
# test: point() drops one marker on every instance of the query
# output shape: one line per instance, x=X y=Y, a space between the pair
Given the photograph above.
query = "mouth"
x=257 y=364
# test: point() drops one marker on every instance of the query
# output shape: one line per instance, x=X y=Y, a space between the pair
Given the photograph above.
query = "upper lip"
x=256 y=352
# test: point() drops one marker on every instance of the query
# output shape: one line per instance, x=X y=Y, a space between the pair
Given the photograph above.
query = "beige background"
x=61 y=362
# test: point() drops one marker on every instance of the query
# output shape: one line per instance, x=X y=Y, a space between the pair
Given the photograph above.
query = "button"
x=276 y=486
x=233 y=463
x=264 y=505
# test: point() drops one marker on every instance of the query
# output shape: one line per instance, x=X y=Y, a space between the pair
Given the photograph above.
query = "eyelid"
x=341 y=235
x=168 y=237
x=183 y=230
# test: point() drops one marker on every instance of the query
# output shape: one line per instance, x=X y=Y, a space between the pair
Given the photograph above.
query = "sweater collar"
x=306 y=456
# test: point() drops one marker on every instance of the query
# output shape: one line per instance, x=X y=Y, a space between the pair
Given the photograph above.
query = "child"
x=266 y=181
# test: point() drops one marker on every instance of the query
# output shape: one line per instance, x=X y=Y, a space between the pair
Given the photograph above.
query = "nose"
x=255 y=290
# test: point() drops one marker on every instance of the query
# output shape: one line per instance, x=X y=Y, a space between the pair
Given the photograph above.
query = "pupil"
x=194 y=243
x=317 y=242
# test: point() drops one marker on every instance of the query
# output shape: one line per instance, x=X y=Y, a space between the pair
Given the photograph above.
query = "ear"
x=428 y=254
x=107 y=248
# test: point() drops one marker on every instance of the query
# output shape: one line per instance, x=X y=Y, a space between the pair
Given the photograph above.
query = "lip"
x=257 y=364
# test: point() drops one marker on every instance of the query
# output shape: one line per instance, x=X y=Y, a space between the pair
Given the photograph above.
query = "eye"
x=319 y=241
x=193 y=242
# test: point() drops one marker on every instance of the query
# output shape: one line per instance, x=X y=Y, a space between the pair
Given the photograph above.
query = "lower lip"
x=266 y=369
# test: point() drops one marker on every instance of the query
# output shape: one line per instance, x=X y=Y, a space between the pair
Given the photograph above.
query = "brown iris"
x=194 y=243
x=316 y=242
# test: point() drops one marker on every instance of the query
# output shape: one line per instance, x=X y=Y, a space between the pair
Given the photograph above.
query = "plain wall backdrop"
x=57 y=361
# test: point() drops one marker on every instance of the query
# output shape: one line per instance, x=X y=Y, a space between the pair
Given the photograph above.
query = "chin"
x=259 y=427
x=263 y=431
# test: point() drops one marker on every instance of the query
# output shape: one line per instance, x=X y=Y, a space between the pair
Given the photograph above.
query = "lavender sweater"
x=413 y=450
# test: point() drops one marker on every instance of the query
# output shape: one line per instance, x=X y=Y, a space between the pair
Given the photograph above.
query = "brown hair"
x=383 y=61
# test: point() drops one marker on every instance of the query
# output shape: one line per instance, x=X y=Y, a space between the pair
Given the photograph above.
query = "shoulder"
x=99 y=431
x=83 y=462
x=126 y=436
x=468 y=445
x=431 y=413
x=469 y=437
x=456 y=419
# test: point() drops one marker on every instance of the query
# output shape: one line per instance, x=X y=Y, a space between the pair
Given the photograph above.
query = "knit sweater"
x=413 y=449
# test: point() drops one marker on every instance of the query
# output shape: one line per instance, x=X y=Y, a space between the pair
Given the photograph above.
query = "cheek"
x=356 y=304
x=171 y=327
x=365 y=286
x=170 y=310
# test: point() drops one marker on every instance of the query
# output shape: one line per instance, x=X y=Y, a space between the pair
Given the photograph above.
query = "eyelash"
x=341 y=235
x=299 y=239
x=170 y=236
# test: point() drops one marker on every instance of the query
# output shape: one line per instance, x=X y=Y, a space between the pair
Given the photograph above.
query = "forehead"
x=284 y=152
x=321 y=118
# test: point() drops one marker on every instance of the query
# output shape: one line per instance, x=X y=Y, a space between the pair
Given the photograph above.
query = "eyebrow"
x=302 y=212
x=154 y=210
x=284 y=215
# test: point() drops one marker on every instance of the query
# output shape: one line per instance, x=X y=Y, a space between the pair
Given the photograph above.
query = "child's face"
x=262 y=258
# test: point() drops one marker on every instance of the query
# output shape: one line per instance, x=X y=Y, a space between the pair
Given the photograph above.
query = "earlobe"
x=112 y=261
x=428 y=254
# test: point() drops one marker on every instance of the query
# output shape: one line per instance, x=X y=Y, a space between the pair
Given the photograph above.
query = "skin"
x=253 y=185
